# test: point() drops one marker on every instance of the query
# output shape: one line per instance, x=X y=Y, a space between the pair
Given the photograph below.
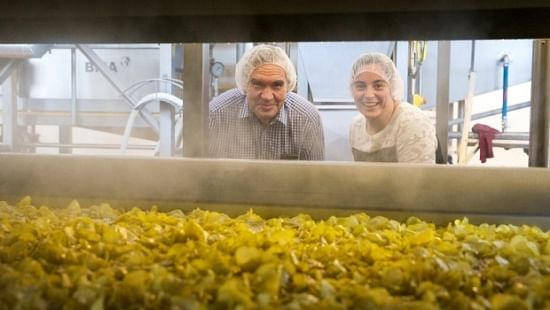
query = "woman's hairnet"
x=263 y=55
x=382 y=65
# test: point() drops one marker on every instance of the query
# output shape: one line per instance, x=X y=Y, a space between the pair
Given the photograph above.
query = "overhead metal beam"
x=141 y=21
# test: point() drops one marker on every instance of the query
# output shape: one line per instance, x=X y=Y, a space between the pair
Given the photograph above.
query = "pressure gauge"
x=216 y=69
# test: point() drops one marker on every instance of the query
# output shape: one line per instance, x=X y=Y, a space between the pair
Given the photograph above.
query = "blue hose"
x=506 y=65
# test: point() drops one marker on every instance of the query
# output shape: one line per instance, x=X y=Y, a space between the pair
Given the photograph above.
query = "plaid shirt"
x=235 y=132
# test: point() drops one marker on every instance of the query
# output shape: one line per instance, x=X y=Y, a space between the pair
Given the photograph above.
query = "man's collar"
x=245 y=112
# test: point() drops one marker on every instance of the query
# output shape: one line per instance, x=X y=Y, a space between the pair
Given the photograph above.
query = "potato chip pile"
x=103 y=258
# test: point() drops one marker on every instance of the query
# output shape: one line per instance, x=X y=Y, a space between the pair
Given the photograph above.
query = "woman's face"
x=372 y=96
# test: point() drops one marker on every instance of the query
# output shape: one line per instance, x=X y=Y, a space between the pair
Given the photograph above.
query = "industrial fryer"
x=347 y=253
x=116 y=232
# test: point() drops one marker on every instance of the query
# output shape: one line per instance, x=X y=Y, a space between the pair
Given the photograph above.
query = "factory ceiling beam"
x=143 y=21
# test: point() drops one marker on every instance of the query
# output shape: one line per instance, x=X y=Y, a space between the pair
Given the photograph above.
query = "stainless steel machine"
x=136 y=277
x=277 y=188
x=438 y=192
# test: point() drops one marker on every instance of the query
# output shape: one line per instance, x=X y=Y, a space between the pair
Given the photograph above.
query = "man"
x=262 y=118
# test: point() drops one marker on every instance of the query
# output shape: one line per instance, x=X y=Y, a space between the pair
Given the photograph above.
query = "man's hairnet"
x=382 y=65
x=263 y=55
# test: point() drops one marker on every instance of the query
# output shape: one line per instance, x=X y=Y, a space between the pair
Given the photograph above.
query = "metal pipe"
x=520 y=136
x=195 y=101
x=9 y=110
x=166 y=130
x=442 y=95
x=130 y=46
x=23 y=51
x=473 y=56
x=411 y=76
x=7 y=69
x=460 y=120
x=421 y=54
x=540 y=105
x=169 y=105
x=472 y=77
x=73 y=86
x=88 y=146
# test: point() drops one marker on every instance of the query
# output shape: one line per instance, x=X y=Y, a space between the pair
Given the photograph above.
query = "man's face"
x=266 y=92
x=372 y=95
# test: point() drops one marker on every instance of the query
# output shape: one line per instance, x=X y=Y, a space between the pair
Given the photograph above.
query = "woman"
x=388 y=130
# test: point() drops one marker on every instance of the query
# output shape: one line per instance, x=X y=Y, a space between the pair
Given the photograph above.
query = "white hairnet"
x=263 y=55
x=382 y=65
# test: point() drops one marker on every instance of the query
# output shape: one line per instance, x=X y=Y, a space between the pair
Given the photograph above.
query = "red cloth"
x=486 y=136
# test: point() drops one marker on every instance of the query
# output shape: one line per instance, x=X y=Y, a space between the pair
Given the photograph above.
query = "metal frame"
x=196 y=98
x=169 y=21
x=283 y=187
x=540 y=107
x=9 y=112
x=442 y=104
